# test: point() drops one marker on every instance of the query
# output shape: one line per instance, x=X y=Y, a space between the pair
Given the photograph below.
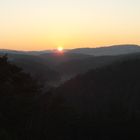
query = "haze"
x=47 y=24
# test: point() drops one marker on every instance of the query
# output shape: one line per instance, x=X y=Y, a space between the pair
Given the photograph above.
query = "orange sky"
x=47 y=24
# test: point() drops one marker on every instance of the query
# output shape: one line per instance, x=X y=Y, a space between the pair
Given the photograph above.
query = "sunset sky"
x=47 y=24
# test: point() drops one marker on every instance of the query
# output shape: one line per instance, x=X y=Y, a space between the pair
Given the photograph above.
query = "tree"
x=18 y=91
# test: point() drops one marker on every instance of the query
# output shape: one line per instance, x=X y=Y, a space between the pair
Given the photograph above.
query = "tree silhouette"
x=18 y=91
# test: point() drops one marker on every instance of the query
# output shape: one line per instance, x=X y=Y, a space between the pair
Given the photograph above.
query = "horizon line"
x=106 y=46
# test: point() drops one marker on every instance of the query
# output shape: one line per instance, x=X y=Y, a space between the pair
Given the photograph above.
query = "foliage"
x=101 y=104
x=18 y=91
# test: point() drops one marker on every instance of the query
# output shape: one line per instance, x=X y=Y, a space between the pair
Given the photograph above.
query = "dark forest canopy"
x=18 y=91
x=14 y=81
x=106 y=100
x=101 y=104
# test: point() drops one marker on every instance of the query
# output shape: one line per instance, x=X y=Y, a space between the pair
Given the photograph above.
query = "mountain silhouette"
x=110 y=50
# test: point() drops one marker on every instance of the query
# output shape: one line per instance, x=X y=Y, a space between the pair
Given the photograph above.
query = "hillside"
x=99 y=51
x=100 y=104
x=65 y=65
x=109 y=50
x=56 y=68
x=72 y=68
x=36 y=66
x=104 y=101
x=55 y=59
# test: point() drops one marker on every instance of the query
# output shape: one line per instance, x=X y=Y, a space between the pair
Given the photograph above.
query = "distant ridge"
x=100 y=51
x=108 y=50
x=24 y=52
x=12 y=51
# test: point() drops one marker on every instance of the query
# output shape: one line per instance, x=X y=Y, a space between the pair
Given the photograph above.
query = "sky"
x=47 y=24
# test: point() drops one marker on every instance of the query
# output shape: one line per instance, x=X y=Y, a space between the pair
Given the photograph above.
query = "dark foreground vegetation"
x=102 y=104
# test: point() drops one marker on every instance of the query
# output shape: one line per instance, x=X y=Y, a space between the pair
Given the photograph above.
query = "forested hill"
x=116 y=81
x=103 y=102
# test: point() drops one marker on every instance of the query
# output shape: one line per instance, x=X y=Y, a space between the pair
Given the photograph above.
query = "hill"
x=72 y=68
x=3 y=51
x=64 y=66
x=103 y=103
x=36 y=66
x=105 y=81
x=55 y=59
x=110 y=50
x=99 y=51
x=100 y=104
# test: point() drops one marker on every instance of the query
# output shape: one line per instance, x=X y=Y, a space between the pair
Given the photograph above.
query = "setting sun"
x=60 y=49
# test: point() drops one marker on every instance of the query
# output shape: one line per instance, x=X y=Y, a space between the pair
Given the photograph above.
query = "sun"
x=60 y=49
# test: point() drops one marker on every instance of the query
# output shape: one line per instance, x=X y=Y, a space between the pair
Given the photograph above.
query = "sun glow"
x=60 y=49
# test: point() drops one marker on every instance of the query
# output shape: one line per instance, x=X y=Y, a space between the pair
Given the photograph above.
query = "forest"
x=103 y=103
